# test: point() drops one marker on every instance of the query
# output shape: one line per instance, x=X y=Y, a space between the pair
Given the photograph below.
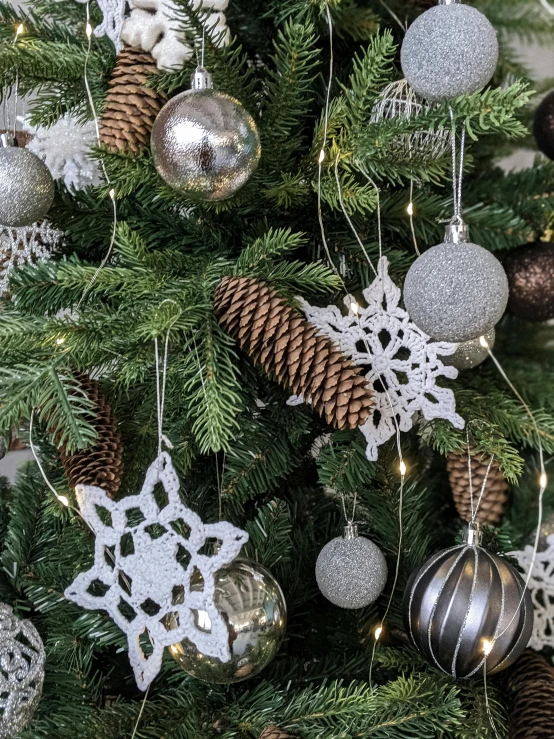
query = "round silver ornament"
x=457 y=290
x=22 y=660
x=253 y=606
x=463 y=608
x=351 y=571
x=26 y=187
x=449 y=50
x=204 y=143
x=470 y=353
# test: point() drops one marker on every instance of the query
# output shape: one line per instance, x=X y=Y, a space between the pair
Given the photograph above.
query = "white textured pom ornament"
x=402 y=364
x=157 y=546
x=450 y=50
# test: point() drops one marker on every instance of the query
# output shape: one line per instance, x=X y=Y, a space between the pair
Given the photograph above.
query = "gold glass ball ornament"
x=253 y=606
x=204 y=143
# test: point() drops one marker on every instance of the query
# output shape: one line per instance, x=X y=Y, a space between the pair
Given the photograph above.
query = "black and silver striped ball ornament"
x=465 y=608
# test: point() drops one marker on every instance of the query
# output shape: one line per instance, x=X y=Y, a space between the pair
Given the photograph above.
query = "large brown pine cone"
x=288 y=347
x=131 y=107
x=531 y=685
x=273 y=732
x=491 y=507
x=101 y=465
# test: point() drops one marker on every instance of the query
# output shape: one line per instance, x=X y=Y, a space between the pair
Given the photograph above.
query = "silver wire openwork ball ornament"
x=253 y=606
x=22 y=660
x=26 y=187
x=351 y=571
x=457 y=290
x=450 y=50
x=204 y=143
x=467 y=610
x=471 y=353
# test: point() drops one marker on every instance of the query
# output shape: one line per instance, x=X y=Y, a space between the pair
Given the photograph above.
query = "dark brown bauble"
x=543 y=126
x=530 y=270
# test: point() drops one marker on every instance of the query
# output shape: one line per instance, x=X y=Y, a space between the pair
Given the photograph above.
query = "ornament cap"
x=456 y=232
x=350 y=531
x=201 y=79
x=449 y=2
x=472 y=536
x=7 y=139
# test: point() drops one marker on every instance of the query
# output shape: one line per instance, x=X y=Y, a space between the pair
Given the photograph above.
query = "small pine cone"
x=131 y=107
x=491 y=507
x=101 y=465
x=531 y=687
x=273 y=732
x=288 y=347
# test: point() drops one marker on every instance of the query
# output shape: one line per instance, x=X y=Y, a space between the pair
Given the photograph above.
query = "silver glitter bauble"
x=351 y=571
x=449 y=50
x=547 y=529
x=22 y=660
x=470 y=353
x=253 y=606
x=205 y=144
x=26 y=187
x=456 y=291
x=464 y=606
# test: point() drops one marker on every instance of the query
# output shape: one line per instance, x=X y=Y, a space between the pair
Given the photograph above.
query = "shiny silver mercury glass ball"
x=457 y=290
x=253 y=606
x=471 y=353
x=26 y=187
x=449 y=50
x=204 y=143
x=351 y=571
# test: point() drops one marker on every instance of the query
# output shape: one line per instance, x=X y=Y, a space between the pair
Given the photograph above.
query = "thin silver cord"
x=160 y=393
x=546 y=5
x=454 y=175
x=487 y=704
x=461 y=171
x=403 y=26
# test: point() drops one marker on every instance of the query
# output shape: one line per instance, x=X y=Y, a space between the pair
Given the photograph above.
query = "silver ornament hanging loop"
x=201 y=79
x=449 y=2
x=456 y=232
x=350 y=531
x=7 y=139
x=472 y=536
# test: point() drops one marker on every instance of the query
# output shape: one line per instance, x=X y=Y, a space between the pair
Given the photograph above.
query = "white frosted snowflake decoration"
x=146 y=552
x=541 y=586
x=25 y=245
x=65 y=149
x=401 y=363
x=157 y=26
x=113 y=15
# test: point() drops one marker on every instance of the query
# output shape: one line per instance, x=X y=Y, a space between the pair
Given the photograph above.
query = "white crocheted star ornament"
x=401 y=362
x=146 y=552
x=541 y=586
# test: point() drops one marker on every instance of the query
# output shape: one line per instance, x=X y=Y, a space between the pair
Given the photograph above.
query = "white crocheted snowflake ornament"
x=148 y=547
x=113 y=15
x=401 y=363
x=541 y=586
x=157 y=26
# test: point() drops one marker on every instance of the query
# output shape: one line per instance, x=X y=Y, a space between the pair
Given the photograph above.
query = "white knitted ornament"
x=155 y=550
x=402 y=364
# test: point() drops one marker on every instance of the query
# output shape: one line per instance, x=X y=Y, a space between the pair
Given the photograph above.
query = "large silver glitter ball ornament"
x=351 y=571
x=456 y=292
x=450 y=50
x=205 y=145
x=254 y=609
x=26 y=187
x=466 y=608
x=471 y=353
x=22 y=660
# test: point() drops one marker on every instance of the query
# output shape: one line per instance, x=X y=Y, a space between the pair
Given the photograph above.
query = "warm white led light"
x=410 y=209
x=354 y=307
x=63 y=500
x=403 y=468
x=378 y=632
x=484 y=343
x=322 y=156
x=60 y=340
x=19 y=30
x=543 y=480
x=112 y=194
x=89 y=30
x=487 y=647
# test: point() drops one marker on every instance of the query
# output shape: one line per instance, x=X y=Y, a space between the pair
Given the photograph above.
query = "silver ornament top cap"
x=7 y=139
x=449 y=2
x=201 y=79
x=350 y=531
x=456 y=232
x=472 y=536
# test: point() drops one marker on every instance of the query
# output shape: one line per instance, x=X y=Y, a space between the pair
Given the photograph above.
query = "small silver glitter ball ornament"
x=470 y=354
x=254 y=609
x=22 y=660
x=204 y=143
x=463 y=608
x=456 y=291
x=26 y=186
x=450 y=50
x=351 y=571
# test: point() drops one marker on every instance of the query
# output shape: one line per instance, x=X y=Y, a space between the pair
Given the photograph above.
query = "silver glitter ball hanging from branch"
x=204 y=143
x=22 y=660
x=465 y=608
x=450 y=50
x=351 y=571
x=26 y=186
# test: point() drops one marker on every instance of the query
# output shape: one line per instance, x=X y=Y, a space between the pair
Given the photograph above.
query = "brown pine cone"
x=273 y=732
x=531 y=685
x=491 y=507
x=131 y=107
x=288 y=347
x=101 y=465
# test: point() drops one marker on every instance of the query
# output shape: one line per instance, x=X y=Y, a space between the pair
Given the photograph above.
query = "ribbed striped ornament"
x=465 y=607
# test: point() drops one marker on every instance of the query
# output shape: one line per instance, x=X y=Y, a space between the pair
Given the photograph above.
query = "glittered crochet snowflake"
x=541 y=586
x=401 y=363
x=25 y=245
x=148 y=547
